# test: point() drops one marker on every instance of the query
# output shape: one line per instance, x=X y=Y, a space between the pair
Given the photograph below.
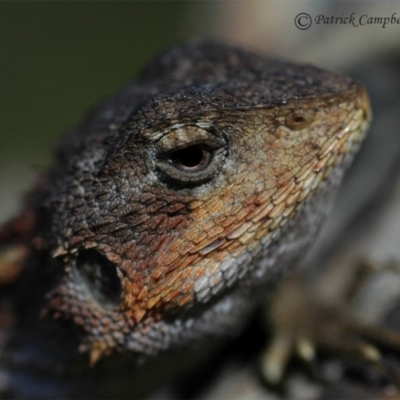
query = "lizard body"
x=177 y=202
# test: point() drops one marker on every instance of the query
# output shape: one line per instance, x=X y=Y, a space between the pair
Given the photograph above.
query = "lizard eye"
x=190 y=155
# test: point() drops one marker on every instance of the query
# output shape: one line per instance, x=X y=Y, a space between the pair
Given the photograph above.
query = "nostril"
x=100 y=276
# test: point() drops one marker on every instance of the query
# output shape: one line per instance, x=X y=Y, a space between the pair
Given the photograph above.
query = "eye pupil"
x=191 y=157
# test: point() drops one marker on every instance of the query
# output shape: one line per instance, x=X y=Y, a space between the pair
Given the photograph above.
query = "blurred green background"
x=58 y=58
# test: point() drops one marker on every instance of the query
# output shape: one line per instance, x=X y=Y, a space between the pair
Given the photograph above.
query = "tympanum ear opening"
x=100 y=277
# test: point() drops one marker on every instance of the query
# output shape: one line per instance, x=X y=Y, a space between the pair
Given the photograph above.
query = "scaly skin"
x=177 y=202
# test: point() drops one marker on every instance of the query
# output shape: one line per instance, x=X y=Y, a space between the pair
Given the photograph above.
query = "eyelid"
x=186 y=136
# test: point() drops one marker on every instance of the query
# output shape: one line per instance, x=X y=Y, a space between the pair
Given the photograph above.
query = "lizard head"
x=196 y=181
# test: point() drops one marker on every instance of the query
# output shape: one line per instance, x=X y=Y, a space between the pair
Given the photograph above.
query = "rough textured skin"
x=177 y=201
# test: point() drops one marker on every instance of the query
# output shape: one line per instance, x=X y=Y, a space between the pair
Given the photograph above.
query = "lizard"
x=173 y=208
